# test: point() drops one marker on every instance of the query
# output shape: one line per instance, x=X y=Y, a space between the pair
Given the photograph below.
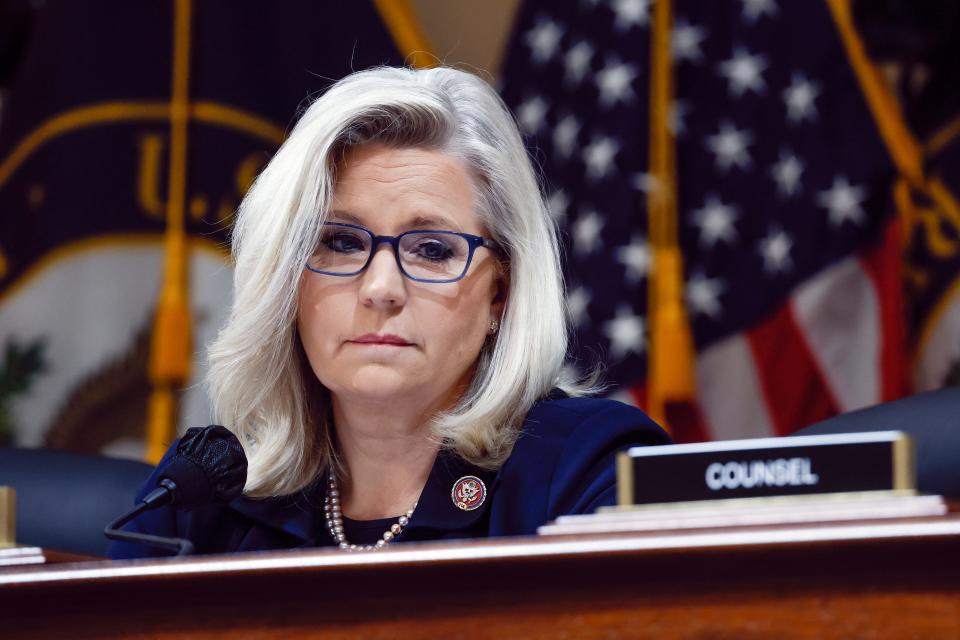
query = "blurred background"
x=757 y=198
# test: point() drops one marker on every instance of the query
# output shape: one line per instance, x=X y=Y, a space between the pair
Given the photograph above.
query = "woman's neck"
x=388 y=454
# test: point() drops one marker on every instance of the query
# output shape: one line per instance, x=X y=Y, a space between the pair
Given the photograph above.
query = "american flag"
x=790 y=251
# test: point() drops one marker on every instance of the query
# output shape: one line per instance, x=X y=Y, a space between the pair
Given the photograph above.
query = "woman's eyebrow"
x=345 y=216
x=420 y=221
x=432 y=222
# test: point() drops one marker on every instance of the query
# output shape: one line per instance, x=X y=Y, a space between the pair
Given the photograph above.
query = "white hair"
x=260 y=382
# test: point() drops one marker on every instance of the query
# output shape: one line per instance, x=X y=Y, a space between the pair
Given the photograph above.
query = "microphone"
x=209 y=466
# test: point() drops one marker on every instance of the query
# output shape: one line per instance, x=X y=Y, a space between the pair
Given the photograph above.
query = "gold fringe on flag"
x=670 y=371
x=170 y=347
x=410 y=39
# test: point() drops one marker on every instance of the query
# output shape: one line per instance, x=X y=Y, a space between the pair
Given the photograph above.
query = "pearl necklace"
x=334 y=518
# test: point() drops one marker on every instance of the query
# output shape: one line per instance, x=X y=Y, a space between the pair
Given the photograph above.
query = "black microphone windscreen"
x=209 y=466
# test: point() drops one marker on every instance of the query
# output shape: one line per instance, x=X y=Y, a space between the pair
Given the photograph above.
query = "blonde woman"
x=393 y=361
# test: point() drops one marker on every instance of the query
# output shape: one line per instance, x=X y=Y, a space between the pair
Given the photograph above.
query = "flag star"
x=615 y=82
x=631 y=13
x=685 y=42
x=703 y=295
x=557 y=205
x=544 y=39
x=775 y=249
x=531 y=113
x=676 y=117
x=578 y=300
x=576 y=62
x=786 y=172
x=625 y=332
x=729 y=146
x=599 y=155
x=715 y=221
x=565 y=136
x=744 y=72
x=636 y=258
x=800 y=97
x=842 y=201
x=753 y=10
x=586 y=233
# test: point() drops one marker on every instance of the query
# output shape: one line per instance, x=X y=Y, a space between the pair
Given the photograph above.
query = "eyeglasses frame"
x=473 y=242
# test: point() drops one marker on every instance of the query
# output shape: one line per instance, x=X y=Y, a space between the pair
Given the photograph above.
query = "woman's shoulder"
x=574 y=433
x=564 y=459
x=560 y=416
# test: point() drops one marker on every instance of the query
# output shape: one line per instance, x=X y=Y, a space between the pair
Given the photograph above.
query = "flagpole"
x=170 y=348
x=670 y=376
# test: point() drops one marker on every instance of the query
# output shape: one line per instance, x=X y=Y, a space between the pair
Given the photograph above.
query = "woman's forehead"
x=408 y=186
x=402 y=168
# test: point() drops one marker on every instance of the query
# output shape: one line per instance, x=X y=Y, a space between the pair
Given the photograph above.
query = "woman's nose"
x=382 y=285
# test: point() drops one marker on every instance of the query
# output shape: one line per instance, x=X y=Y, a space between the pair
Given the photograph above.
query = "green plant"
x=22 y=363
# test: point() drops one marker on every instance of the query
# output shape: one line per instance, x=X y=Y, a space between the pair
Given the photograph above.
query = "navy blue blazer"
x=563 y=463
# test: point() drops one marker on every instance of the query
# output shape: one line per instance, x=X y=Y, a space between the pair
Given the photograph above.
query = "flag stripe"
x=685 y=420
x=838 y=312
x=882 y=263
x=730 y=391
x=793 y=386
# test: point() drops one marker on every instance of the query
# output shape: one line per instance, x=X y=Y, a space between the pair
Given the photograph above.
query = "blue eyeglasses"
x=422 y=255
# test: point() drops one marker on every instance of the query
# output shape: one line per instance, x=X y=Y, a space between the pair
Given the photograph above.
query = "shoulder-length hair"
x=259 y=380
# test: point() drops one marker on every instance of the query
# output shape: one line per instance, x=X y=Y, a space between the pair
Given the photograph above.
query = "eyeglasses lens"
x=433 y=256
x=341 y=250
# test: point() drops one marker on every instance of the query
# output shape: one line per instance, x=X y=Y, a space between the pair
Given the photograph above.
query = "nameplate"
x=797 y=465
x=7 y=516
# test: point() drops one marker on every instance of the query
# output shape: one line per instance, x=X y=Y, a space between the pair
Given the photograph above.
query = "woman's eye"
x=342 y=242
x=433 y=249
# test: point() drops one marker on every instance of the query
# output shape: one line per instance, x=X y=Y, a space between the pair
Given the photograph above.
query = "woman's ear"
x=501 y=292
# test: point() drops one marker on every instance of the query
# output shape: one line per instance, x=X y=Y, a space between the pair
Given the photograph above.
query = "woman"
x=393 y=362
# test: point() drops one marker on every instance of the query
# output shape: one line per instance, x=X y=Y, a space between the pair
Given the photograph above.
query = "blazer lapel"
x=296 y=515
x=300 y=515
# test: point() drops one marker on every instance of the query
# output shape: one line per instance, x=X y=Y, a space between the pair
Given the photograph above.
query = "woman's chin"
x=379 y=383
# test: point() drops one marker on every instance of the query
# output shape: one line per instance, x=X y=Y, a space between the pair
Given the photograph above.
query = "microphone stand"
x=154 y=499
x=209 y=466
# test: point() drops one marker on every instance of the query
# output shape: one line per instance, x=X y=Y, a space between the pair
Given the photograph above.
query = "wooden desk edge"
x=466 y=552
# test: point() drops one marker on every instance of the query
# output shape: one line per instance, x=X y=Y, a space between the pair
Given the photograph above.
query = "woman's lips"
x=385 y=339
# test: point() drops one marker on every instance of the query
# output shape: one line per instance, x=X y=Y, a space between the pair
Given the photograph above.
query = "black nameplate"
x=798 y=465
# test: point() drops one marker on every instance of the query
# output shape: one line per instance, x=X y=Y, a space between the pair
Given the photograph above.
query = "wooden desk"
x=857 y=580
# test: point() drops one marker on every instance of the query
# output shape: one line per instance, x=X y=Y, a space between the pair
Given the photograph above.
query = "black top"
x=364 y=531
